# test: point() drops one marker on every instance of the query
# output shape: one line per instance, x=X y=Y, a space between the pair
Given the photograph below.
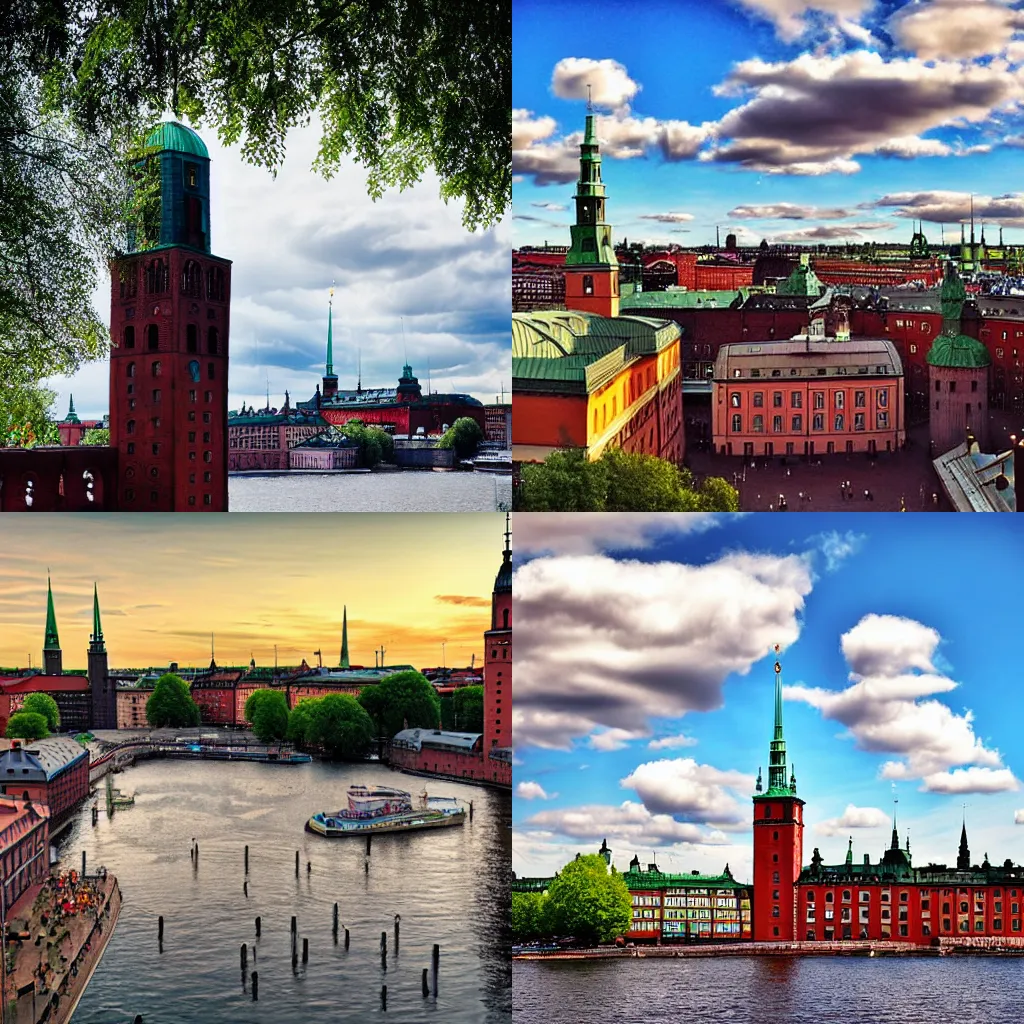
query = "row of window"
x=817 y=423
x=796 y=399
x=156 y=369
x=154 y=497
x=157 y=279
x=191 y=338
x=818 y=371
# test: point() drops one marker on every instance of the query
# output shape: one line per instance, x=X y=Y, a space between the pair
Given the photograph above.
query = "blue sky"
x=644 y=686
x=804 y=120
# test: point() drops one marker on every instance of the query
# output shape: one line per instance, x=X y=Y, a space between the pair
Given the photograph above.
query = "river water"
x=451 y=887
x=407 y=491
x=769 y=990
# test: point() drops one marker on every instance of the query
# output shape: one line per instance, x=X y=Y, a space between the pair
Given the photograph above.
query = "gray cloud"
x=958 y=29
x=788 y=211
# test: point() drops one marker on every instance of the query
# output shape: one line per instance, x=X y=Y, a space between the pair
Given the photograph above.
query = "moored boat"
x=373 y=810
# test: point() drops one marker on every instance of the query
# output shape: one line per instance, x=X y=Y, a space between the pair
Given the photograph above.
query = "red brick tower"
x=169 y=331
x=591 y=267
x=498 y=657
x=778 y=840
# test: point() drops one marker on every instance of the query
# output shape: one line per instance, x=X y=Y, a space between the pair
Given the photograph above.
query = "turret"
x=102 y=689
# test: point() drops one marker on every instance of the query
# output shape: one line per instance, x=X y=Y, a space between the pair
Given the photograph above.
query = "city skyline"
x=896 y=686
x=398 y=265
x=796 y=120
x=166 y=582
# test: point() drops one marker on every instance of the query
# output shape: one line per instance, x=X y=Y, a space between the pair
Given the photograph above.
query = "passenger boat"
x=373 y=810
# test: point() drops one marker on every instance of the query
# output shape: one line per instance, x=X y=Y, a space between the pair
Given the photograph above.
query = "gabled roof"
x=419 y=738
x=40 y=760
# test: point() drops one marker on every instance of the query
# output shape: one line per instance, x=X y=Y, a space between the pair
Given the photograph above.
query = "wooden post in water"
x=245 y=889
x=83 y=863
x=384 y=997
x=95 y=815
x=296 y=863
x=435 y=958
x=305 y=951
x=160 y=930
x=368 y=838
x=247 y=858
x=255 y=986
x=426 y=984
x=257 y=927
x=334 y=930
x=295 y=936
x=470 y=810
x=244 y=956
x=346 y=938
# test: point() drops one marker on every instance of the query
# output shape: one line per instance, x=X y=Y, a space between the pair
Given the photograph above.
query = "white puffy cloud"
x=788 y=211
x=668 y=218
x=550 y=206
x=836 y=547
x=892 y=672
x=909 y=146
x=957 y=29
x=629 y=641
x=791 y=16
x=971 y=780
x=947 y=207
x=527 y=129
x=613 y=739
x=852 y=817
x=630 y=823
x=609 y=81
x=1018 y=817
x=532 y=791
x=559 y=533
x=831 y=232
x=691 y=791
x=535 y=154
x=672 y=742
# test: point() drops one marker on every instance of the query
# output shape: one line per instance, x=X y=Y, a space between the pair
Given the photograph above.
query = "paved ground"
x=901 y=480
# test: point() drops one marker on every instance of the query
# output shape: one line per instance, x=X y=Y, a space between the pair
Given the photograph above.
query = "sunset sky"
x=167 y=581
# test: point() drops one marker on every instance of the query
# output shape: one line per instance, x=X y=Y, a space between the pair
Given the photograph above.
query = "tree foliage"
x=171 y=704
x=27 y=725
x=26 y=408
x=336 y=724
x=529 y=916
x=375 y=445
x=464 y=435
x=619 y=482
x=267 y=712
x=589 y=902
x=96 y=436
x=403 y=697
x=468 y=708
x=43 y=704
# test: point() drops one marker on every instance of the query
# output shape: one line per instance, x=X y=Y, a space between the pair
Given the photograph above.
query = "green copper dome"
x=958 y=350
x=174 y=136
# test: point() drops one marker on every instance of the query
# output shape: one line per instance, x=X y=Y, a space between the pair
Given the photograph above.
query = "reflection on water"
x=450 y=887
x=370 y=492
x=769 y=990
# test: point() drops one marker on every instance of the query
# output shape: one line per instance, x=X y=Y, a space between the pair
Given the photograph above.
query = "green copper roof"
x=72 y=416
x=173 y=135
x=590 y=134
x=97 y=628
x=330 y=340
x=958 y=350
x=344 y=637
x=803 y=281
x=52 y=641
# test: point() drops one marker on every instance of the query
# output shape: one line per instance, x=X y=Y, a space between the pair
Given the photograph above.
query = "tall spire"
x=963 y=860
x=778 y=784
x=972 y=224
x=344 y=637
x=52 y=641
x=330 y=341
x=96 y=640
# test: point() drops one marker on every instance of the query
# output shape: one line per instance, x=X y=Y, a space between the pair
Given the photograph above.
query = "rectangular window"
x=858 y=421
x=737 y=423
x=758 y=399
x=192 y=395
x=777 y=424
x=840 y=399
x=798 y=423
x=758 y=424
x=734 y=399
x=796 y=400
x=156 y=395
x=838 y=422
x=819 y=399
x=883 y=421
x=819 y=421
x=858 y=399
x=777 y=399
x=883 y=398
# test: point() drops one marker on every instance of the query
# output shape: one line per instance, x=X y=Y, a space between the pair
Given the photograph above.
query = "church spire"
x=96 y=640
x=963 y=860
x=344 y=637
x=330 y=340
x=778 y=784
x=52 y=641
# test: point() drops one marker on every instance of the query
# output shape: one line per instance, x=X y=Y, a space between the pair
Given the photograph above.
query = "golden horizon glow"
x=410 y=582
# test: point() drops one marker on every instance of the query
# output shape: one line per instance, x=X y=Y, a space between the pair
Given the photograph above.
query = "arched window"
x=215 y=284
x=193 y=370
x=211 y=341
x=192 y=338
x=129 y=337
x=588 y=284
x=207 y=456
x=130 y=370
x=152 y=337
x=156 y=368
x=128 y=278
x=192 y=279
x=157 y=276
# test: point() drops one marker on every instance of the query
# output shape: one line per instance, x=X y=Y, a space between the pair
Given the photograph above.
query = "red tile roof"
x=43 y=684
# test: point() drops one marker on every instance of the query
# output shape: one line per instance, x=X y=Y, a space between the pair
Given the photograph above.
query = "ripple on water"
x=769 y=990
x=450 y=887
x=369 y=492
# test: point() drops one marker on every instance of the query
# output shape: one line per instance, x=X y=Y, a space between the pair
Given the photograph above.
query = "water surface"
x=450 y=886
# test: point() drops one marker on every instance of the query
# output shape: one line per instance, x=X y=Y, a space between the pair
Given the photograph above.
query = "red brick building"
x=498 y=657
x=24 y=846
x=54 y=772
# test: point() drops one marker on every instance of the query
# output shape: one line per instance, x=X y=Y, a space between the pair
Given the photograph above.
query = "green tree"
x=27 y=725
x=171 y=704
x=641 y=482
x=267 y=713
x=341 y=727
x=26 y=409
x=468 y=708
x=302 y=722
x=565 y=482
x=96 y=435
x=589 y=902
x=375 y=445
x=399 y=698
x=529 y=916
x=464 y=435
x=43 y=704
